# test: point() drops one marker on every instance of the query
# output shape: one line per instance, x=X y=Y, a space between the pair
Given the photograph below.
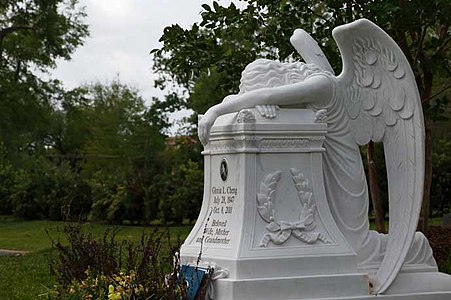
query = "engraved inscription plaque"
x=223 y=193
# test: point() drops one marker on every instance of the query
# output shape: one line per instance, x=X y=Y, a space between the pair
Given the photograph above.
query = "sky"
x=122 y=33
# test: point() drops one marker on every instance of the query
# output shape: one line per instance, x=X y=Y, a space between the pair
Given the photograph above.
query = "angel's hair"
x=264 y=73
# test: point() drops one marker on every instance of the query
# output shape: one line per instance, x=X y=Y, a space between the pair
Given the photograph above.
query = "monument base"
x=266 y=227
x=300 y=287
x=408 y=286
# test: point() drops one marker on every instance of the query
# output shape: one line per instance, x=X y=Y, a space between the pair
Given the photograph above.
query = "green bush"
x=180 y=193
x=116 y=287
x=8 y=177
x=103 y=268
x=108 y=194
x=46 y=191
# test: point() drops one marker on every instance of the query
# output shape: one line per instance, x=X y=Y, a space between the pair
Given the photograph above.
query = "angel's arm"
x=316 y=89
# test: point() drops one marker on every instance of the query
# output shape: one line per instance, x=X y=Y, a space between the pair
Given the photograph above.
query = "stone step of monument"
x=407 y=286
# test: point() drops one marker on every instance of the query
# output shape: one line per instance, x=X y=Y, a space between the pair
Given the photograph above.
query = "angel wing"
x=383 y=104
x=308 y=48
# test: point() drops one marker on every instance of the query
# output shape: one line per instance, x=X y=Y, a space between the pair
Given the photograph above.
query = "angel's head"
x=264 y=73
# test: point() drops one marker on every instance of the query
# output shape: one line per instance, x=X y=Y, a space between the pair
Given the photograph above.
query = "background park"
x=109 y=155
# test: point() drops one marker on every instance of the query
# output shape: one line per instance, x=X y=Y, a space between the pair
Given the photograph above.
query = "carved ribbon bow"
x=283 y=230
x=290 y=225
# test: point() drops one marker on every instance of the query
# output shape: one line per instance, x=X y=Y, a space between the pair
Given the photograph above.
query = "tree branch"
x=443 y=45
x=420 y=43
x=8 y=30
x=12 y=29
x=436 y=94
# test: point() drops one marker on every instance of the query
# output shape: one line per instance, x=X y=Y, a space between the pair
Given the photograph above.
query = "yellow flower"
x=117 y=296
x=111 y=295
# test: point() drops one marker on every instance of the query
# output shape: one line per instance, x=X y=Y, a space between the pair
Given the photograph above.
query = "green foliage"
x=104 y=267
x=122 y=143
x=42 y=191
x=27 y=277
x=209 y=88
x=33 y=36
x=180 y=193
x=40 y=32
x=228 y=38
x=8 y=176
x=107 y=196
x=101 y=287
x=441 y=177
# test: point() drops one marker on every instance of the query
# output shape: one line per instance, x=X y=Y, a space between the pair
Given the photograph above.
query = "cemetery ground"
x=25 y=274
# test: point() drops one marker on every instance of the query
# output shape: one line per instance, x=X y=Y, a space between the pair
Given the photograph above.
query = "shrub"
x=8 y=177
x=44 y=191
x=118 y=286
x=104 y=268
x=109 y=196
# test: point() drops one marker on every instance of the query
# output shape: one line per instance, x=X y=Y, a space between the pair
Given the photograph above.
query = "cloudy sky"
x=122 y=33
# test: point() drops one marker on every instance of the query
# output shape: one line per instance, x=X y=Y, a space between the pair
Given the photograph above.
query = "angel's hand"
x=267 y=110
x=205 y=124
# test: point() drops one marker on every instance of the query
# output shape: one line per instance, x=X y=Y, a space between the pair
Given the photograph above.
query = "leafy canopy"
x=211 y=55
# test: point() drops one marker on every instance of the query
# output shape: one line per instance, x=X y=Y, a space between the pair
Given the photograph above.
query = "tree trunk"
x=425 y=97
x=424 y=215
x=374 y=189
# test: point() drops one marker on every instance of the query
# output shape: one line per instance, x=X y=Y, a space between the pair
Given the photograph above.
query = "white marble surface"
x=296 y=178
x=269 y=221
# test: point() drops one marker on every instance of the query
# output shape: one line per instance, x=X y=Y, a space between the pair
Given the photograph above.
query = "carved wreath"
x=282 y=230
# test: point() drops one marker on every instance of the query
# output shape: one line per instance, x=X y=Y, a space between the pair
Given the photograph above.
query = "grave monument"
x=285 y=207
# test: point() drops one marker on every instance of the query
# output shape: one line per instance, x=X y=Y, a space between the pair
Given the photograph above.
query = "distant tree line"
x=96 y=152
x=99 y=152
x=104 y=156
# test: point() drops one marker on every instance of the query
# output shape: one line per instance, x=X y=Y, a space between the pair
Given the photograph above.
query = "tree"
x=228 y=38
x=111 y=138
x=34 y=34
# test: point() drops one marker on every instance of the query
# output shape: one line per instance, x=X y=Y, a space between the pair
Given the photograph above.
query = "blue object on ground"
x=193 y=277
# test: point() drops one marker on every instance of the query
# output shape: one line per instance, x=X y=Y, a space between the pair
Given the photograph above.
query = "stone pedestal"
x=265 y=224
x=265 y=221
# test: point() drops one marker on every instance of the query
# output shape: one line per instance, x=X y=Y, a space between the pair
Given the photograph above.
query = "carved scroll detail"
x=245 y=116
x=282 y=230
x=321 y=116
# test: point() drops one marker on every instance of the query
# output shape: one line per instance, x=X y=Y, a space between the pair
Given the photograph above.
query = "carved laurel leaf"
x=307 y=214
x=305 y=197
x=271 y=194
x=302 y=185
x=262 y=199
x=282 y=230
x=266 y=196
x=264 y=213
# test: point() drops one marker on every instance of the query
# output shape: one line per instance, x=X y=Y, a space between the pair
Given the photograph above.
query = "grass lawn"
x=26 y=277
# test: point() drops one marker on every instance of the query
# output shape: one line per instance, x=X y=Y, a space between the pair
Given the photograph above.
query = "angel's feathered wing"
x=383 y=104
x=308 y=48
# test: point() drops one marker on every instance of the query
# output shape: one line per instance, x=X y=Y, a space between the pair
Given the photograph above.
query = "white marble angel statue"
x=374 y=98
